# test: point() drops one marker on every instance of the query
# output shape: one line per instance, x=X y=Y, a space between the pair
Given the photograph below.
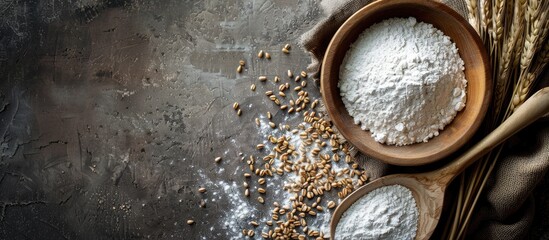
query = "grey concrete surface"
x=112 y=111
x=110 y=108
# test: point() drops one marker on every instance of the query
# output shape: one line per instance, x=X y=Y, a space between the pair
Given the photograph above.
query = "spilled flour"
x=288 y=192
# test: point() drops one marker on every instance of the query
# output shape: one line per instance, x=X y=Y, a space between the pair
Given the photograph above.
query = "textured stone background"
x=112 y=111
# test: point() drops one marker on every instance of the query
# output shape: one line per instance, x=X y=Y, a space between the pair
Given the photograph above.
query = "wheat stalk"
x=497 y=21
x=520 y=37
x=527 y=78
x=485 y=18
x=495 y=37
x=537 y=16
x=542 y=58
x=535 y=22
x=458 y=206
x=519 y=50
x=508 y=55
x=473 y=14
x=521 y=90
x=496 y=32
x=530 y=41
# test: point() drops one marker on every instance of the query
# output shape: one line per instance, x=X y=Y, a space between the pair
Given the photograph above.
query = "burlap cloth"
x=506 y=209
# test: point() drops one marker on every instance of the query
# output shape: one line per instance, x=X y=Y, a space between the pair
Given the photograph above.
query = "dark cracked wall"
x=111 y=112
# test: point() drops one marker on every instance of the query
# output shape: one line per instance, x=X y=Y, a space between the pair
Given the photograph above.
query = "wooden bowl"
x=477 y=73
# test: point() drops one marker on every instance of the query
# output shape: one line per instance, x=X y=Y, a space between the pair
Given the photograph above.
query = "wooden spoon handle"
x=535 y=107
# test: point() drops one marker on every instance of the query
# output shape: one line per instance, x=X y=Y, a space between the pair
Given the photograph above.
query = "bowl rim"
x=364 y=148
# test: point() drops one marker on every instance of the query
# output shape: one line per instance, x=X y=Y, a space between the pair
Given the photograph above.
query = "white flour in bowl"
x=403 y=81
x=388 y=212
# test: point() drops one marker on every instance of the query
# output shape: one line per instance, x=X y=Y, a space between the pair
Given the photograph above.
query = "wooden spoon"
x=428 y=188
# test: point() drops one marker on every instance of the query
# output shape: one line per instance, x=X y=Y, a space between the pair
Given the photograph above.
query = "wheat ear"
x=497 y=22
x=536 y=34
x=508 y=55
x=473 y=14
x=485 y=18
x=520 y=39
